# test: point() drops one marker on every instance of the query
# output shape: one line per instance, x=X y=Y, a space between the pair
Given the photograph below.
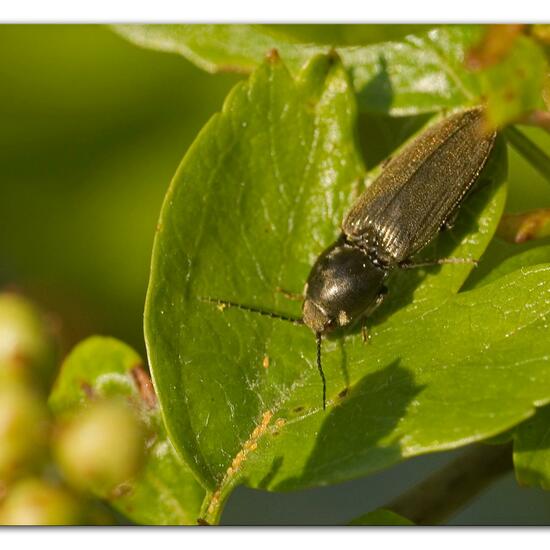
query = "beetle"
x=394 y=218
x=417 y=193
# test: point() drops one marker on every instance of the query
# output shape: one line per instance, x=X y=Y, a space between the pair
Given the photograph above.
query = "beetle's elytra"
x=416 y=194
x=394 y=218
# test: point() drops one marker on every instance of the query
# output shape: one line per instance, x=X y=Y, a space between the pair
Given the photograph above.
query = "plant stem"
x=445 y=492
x=530 y=151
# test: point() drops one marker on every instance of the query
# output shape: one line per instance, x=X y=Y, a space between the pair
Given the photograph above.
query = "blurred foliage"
x=102 y=447
x=39 y=502
x=28 y=343
x=92 y=132
x=98 y=370
x=24 y=428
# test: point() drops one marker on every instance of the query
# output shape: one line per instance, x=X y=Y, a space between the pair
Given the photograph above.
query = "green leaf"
x=214 y=48
x=527 y=258
x=258 y=196
x=342 y=35
x=396 y=69
x=532 y=450
x=165 y=492
x=240 y=219
x=381 y=517
x=514 y=86
x=420 y=73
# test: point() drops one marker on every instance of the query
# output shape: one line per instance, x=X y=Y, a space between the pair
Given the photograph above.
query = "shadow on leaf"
x=361 y=422
x=378 y=91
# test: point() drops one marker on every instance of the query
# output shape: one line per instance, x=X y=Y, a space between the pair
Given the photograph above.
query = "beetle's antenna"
x=227 y=303
x=320 y=367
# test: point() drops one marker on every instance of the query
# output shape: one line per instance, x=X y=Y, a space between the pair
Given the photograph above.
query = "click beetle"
x=417 y=193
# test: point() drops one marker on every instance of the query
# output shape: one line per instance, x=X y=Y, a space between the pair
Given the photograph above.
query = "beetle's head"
x=342 y=286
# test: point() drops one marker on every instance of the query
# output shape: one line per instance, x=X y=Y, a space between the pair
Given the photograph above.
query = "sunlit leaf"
x=257 y=198
x=526 y=258
x=420 y=73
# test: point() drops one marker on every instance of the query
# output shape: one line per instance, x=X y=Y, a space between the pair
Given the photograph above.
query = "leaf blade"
x=263 y=425
x=420 y=73
x=259 y=269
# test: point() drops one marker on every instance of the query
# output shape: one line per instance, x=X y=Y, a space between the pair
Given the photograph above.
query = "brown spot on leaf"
x=273 y=56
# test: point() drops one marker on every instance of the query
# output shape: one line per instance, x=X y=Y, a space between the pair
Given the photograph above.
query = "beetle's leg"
x=379 y=299
x=407 y=264
x=449 y=223
x=290 y=295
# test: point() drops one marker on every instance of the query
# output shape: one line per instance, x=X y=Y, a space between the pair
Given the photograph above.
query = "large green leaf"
x=258 y=196
x=165 y=492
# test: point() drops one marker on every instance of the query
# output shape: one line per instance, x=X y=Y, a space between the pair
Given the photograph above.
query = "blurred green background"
x=91 y=131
